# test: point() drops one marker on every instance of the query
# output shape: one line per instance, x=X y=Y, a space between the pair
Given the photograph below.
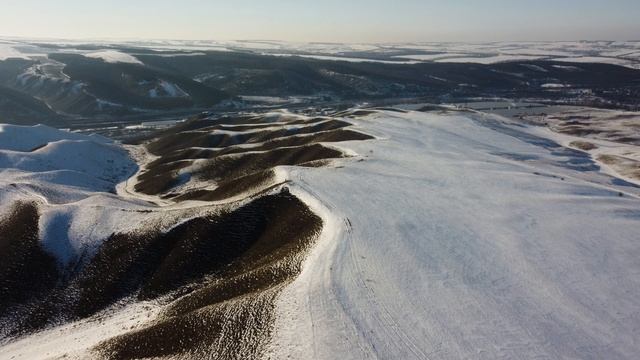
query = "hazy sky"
x=324 y=20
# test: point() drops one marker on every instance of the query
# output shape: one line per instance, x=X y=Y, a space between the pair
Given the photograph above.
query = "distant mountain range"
x=62 y=83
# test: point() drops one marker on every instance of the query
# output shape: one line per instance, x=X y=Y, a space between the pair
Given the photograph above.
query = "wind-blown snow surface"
x=462 y=237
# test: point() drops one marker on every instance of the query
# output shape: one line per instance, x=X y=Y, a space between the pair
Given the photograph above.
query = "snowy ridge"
x=465 y=237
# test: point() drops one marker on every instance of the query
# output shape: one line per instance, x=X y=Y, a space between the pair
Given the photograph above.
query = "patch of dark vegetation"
x=603 y=125
x=232 y=188
x=624 y=166
x=338 y=135
x=361 y=113
x=316 y=163
x=205 y=139
x=250 y=255
x=237 y=154
x=237 y=122
x=204 y=121
x=428 y=108
x=247 y=170
x=27 y=271
x=185 y=154
x=237 y=165
x=326 y=136
x=576 y=130
x=391 y=109
x=161 y=178
x=251 y=246
x=236 y=173
x=583 y=145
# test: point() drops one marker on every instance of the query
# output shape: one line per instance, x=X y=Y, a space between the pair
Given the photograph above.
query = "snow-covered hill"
x=56 y=159
x=111 y=261
x=460 y=236
x=450 y=235
x=29 y=138
x=68 y=174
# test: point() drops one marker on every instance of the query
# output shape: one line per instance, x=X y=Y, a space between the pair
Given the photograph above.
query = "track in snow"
x=466 y=238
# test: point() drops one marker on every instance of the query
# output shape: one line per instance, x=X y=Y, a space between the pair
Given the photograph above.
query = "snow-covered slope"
x=462 y=237
x=60 y=168
x=28 y=138
x=95 y=245
x=102 y=161
x=451 y=235
x=51 y=160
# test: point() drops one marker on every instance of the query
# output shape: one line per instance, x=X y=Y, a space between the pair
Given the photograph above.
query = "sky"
x=323 y=20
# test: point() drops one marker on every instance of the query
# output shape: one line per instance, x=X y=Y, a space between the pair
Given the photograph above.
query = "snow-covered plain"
x=348 y=59
x=489 y=59
x=596 y=59
x=459 y=236
x=624 y=53
x=430 y=57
